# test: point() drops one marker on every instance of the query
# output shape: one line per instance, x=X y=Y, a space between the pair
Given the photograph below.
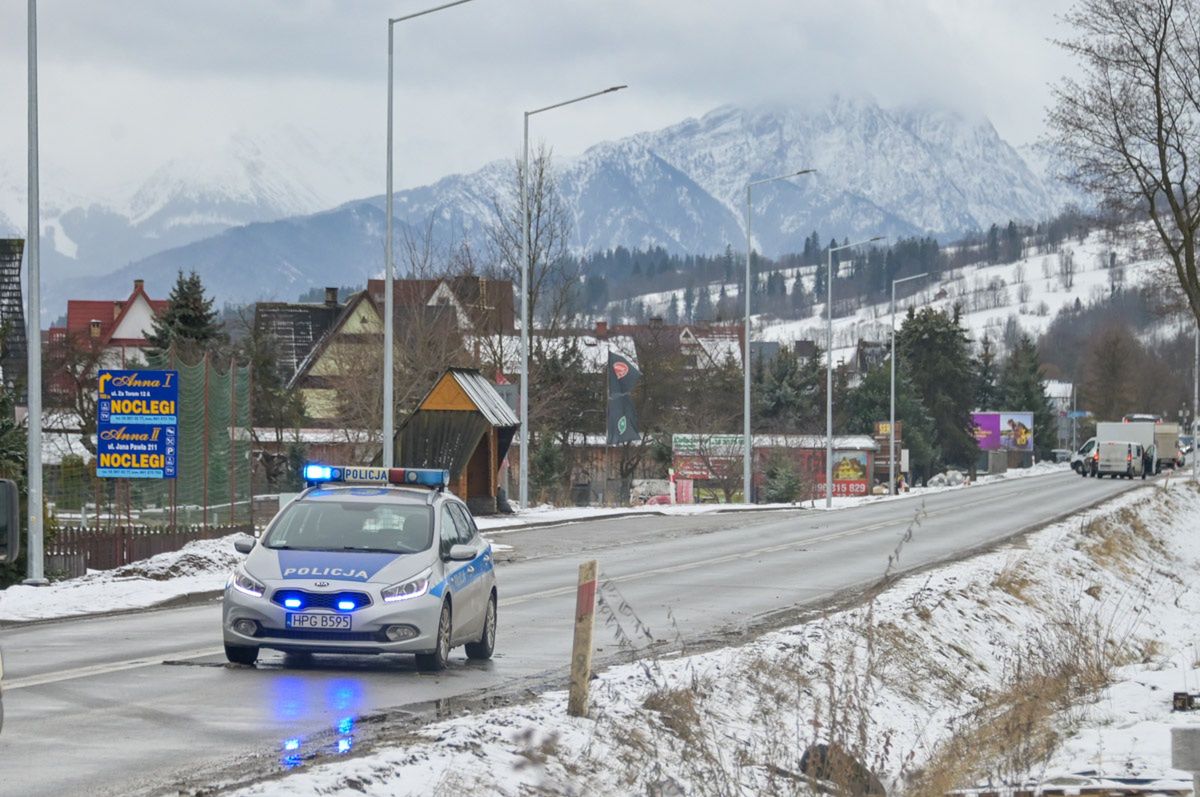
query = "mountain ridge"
x=899 y=172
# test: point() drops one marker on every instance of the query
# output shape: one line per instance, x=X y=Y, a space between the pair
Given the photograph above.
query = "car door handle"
x=470 y=568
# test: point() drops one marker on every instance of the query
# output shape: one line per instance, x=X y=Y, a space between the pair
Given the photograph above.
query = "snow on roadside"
x=200 y=566
x=916 y=671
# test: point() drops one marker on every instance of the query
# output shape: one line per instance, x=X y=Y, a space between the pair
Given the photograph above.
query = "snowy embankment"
x=1054 y=655
x=201 y=567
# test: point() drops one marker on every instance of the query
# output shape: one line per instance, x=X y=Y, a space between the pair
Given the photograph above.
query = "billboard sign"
x=1003 y=431
x=1016 y=431
x=137 y=424
x=849 y=474
x=987 y=430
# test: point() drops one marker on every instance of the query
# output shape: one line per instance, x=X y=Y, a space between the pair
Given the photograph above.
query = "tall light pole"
x=892 y=417
x=829 y=367
x=523 y=473
x=747 y=448
x=389 y=301
x=1195 y=400
x=33 y=326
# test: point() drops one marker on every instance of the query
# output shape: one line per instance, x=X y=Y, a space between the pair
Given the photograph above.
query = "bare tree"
x=1066 y=268
x=73 y=361
x=1130 y=125
x=553 y=277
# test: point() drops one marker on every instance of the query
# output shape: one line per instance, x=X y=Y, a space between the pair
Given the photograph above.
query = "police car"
x=366 y=560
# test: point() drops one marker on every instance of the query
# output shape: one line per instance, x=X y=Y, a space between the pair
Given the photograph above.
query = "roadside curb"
x=542 y=524
x=177 y=602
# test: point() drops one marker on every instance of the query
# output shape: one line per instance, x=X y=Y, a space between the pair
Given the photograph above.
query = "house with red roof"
x=101 y=333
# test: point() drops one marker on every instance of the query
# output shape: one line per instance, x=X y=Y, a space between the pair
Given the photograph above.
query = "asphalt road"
x=143 y=703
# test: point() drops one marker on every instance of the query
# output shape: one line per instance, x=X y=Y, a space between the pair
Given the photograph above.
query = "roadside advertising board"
x=1003 y=431
x=987 y=430
x=137 y=424
x=849 y=474
x=1016 y=431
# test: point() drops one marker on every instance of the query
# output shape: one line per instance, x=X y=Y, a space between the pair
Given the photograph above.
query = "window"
x=449 y=530
x=352 y=525
x=466 y=526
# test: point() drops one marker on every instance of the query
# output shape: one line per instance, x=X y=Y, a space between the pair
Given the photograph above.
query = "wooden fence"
x=74 y=551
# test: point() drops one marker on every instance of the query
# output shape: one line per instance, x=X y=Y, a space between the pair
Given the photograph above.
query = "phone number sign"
x=137 y=424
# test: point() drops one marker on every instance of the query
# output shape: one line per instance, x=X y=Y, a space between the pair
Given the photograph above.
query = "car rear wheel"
x=482 y=650
x=241 y=654
x=440 y=657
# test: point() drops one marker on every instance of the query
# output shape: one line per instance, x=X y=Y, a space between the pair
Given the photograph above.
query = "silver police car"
x=368 y=560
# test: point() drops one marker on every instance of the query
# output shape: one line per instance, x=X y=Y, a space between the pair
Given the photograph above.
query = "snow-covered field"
x=1055 y=655
x=201 y=567
x=1030 y=290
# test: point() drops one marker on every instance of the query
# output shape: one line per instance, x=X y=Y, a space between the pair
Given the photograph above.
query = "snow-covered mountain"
x=242 y=180
x=904 y=171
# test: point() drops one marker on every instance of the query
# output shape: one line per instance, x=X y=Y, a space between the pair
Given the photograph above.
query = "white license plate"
x=319 y=622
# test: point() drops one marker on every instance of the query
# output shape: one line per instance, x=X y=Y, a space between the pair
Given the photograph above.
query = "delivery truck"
x=1166 y=444
x=1140 y=432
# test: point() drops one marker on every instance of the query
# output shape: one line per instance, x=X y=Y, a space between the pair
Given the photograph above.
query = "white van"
x=1122 y=458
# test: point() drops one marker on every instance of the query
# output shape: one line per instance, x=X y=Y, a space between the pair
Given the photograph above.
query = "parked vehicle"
x=1140 y=432
x=1166 y=445
x=1081 y=460
x=1119 y=458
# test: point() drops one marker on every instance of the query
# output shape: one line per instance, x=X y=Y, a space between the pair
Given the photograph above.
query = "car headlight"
x=415 y=587
x=244 y=582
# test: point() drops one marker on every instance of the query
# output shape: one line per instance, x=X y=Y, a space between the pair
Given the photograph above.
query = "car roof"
x=374 y=494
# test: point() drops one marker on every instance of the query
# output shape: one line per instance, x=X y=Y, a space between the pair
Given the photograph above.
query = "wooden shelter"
x=464 y=426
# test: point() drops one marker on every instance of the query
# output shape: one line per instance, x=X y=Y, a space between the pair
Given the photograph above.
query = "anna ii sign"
x=137 y=424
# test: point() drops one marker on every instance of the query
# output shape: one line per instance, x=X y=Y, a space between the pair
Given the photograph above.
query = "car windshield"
x=352 y=526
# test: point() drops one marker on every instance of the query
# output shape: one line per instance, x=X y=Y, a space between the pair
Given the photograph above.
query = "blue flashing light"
x=346 y=606
x=343 y=746
x=345 y=725
x=318 y=473
x=292 y=603
x=291 y=744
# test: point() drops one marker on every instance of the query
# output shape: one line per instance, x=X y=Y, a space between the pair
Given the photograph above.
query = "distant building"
x=118 y=328
x=1062 y=401
x=13 y=351
x=296 y=327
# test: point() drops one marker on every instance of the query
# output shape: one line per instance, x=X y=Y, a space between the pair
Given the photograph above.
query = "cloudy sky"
x=129 y=84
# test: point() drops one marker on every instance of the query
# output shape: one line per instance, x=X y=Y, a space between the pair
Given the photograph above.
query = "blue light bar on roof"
x=315 y=473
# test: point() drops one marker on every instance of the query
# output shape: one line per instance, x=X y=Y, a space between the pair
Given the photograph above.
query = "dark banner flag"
x=622 y=420
x=623 y=377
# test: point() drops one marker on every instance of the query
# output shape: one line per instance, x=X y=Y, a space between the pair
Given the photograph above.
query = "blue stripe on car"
x=462 y=577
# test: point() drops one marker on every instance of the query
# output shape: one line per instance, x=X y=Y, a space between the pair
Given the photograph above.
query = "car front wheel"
x=240 y=654
x=440 y=657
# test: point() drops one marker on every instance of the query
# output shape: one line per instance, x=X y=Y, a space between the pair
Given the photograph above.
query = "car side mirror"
x=462 y=553
x=243 y=545
x=10 y=521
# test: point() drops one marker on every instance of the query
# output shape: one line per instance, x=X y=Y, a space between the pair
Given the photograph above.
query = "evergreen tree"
x=1021 y=389
x=189 y=322
x=986 y=392
x=790 y=394
x=935 y=353
x=871 y=402
x=1012 y=243
x=993 y=244
x=704 y=306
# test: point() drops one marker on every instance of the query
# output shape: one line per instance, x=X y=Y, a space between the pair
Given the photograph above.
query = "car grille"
x=321 y=636
x=320 y=600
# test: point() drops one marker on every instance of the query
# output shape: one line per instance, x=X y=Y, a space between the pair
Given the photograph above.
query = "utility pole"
x=34 y=325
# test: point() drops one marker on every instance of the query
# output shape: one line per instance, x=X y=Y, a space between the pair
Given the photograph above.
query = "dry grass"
x=1014 y=580
x=676 y=709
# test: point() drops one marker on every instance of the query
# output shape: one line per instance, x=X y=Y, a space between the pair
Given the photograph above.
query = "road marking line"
x=104 y=669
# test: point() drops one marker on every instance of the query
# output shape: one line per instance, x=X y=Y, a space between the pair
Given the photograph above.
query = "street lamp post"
x=33 y=324
x=389 y=308
x=523 y=473
x=747 y=448
x=829 y=367
x=892 y=417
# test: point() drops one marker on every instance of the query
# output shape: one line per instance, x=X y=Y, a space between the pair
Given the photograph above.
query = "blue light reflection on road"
x=296 y=697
